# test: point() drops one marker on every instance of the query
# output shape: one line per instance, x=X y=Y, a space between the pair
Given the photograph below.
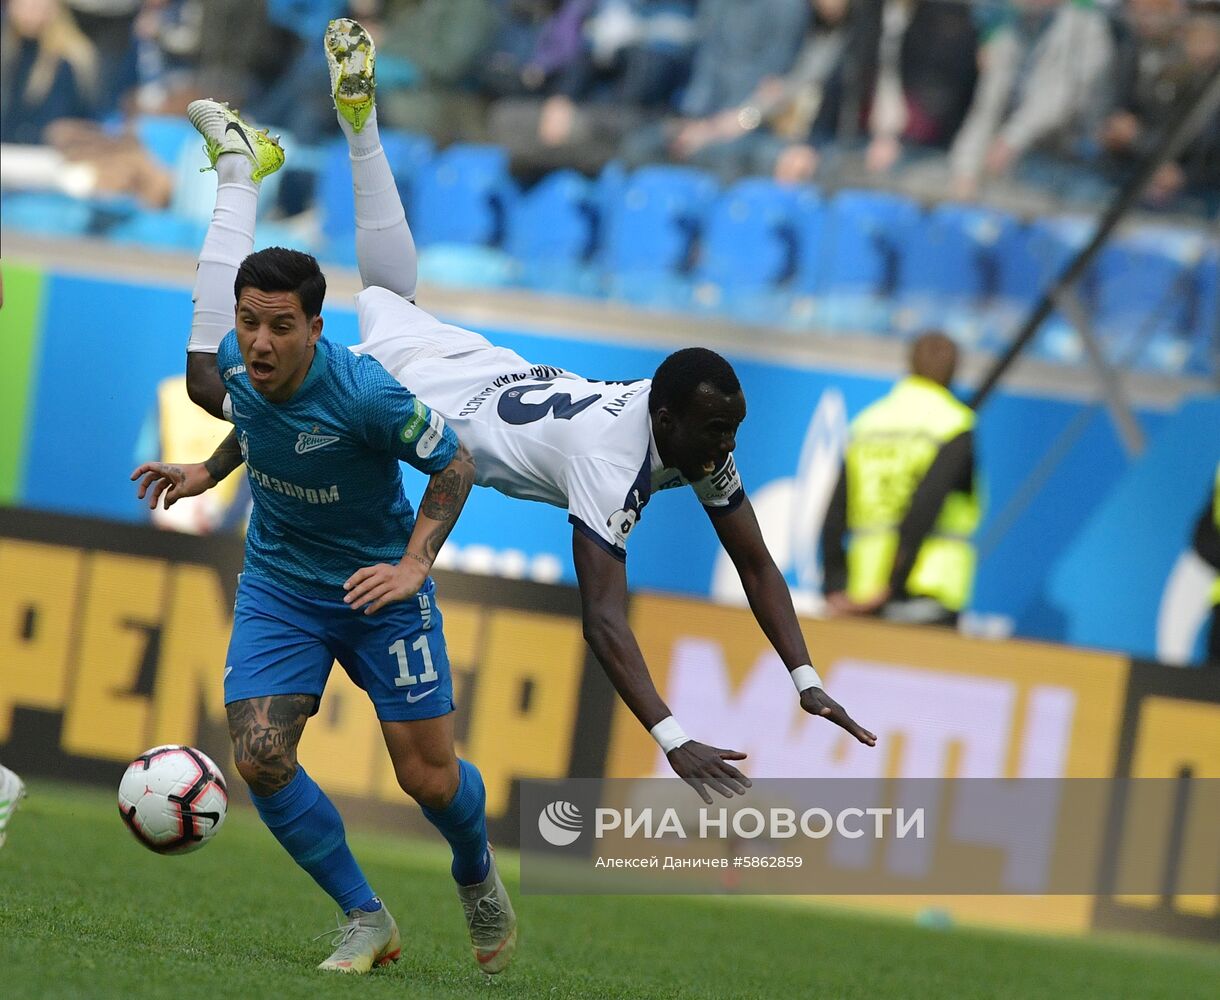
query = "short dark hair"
x=933 y=355
x=682 y=373
x=277 y=269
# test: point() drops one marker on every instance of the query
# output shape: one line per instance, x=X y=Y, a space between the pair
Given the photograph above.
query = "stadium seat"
x=1205 y=352
x=809 y=227
x=1029 y=260
x=951 y=268
x=463 y=265
x=610 y=185
x=552 y=234
x=857 y=272
x=464 y=196
x=407 y=153
x=166 y=137
x=749 y=249
x=195 y=188
x=651 y=233
x=1144 y=289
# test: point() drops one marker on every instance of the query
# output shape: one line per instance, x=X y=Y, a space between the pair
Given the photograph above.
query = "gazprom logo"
x=560 y=824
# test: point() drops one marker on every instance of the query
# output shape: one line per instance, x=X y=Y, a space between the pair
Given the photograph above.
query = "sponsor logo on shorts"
x=413 y=698
x=620 y=524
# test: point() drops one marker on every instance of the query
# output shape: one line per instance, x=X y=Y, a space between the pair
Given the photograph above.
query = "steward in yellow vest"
x=906 y=500
x=1207 y=545
x=185 y=432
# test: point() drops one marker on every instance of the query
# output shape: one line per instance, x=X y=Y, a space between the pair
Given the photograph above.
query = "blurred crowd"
x=949 y=96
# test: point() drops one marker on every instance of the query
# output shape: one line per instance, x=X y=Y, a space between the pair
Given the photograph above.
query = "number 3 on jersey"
x=514 y=410
x=405 y=678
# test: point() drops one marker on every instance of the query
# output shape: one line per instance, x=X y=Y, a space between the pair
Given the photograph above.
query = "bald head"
x=934 y=356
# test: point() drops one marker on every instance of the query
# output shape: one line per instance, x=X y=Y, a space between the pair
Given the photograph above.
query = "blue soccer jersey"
x=323 y=467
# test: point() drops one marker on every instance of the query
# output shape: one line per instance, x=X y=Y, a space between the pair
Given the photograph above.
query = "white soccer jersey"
x=536 y=432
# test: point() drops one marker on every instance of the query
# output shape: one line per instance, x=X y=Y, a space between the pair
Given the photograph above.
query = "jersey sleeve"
x=228 y=357
x=721 y=492
x=605 y=501
x=394 y=420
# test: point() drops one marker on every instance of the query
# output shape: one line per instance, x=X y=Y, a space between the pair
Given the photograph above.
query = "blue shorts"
x=286 y=643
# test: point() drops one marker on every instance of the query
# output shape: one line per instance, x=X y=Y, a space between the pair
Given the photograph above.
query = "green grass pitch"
x=87 y=913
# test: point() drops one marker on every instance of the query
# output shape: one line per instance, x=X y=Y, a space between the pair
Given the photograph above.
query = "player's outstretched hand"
x=815 y=701
x=173 y=482
x=377 y=586
x=699 y=764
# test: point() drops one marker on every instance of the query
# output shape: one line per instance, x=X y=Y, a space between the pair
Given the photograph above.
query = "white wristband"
x=668 y=734
x=805 y=677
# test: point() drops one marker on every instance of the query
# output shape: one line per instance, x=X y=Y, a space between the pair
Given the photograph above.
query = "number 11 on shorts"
x=405 y=678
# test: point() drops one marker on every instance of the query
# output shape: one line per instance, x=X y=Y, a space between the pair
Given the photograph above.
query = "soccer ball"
x=173 y=799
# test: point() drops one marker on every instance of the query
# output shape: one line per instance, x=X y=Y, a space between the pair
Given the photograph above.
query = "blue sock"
x=464 y=824
x=306 y=822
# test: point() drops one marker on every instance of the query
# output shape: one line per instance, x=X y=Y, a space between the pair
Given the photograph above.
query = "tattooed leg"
x=265 y=733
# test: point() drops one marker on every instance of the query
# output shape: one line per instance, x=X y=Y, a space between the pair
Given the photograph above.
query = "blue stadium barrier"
x=748 y=254
x=553 y=232
x=859 y=269
x=164 y=230
x=47 y=213
x=464 y=196
x=651 y=233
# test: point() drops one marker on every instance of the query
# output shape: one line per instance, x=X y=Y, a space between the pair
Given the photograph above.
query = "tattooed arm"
x=225 y=458
x=377 y=586
x=438 y=510
x=173 y=482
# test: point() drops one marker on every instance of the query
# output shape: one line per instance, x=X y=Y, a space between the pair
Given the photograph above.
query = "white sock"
x=367 y=139
x=229 y=239
x=385 y=249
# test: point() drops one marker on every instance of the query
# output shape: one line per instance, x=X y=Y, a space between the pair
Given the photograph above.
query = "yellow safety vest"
x=1216 y=518
x=890 y=448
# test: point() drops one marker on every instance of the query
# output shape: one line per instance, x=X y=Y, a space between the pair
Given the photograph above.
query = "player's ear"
x=315 y=329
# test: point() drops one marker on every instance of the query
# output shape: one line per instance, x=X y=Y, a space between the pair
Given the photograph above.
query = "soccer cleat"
x=223 y=131
x=367 y=939
x=350 y=53
x=12 y=791
x=492 y=922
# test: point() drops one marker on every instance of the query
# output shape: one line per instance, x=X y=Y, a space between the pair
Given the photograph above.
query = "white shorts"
x=401 y=335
